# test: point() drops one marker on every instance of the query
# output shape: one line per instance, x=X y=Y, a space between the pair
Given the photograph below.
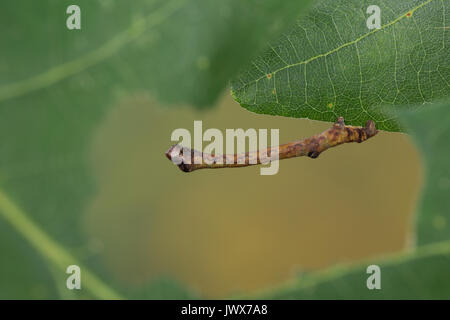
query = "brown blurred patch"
x=233 y=230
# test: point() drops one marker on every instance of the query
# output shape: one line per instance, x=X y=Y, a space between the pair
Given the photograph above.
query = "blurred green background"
x=86 y=117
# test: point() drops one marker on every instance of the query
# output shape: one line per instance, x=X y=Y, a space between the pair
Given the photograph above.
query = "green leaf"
x=183 y=51
x=422 y=273
x=56 y=255
x=330 y=64
x=56 y=85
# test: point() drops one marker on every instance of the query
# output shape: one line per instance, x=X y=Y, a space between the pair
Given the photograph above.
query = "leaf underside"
x=330 y=64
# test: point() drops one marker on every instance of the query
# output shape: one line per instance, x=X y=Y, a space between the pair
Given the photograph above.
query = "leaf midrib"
x=94 y=57
x=338 y=48
x=329 y=274
x=48 y=248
